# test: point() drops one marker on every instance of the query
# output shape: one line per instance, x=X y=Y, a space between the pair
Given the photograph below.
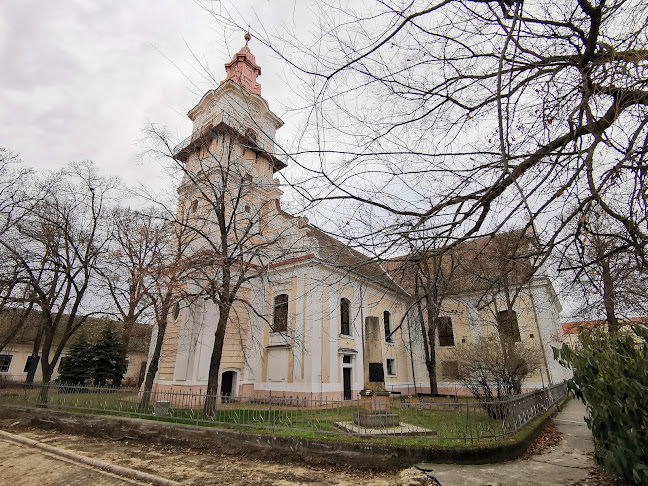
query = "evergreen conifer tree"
x=109 y=361
x=76 y=368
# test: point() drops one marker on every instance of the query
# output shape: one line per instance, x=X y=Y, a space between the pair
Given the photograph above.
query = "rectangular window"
x=5 y=362
x=346 y=359
x=387 y=321
x=30 y=360
x=391 y=367
x=446 y=336
x=280 y=318
x=507 y=324
x=450 y=369
x=345 y=317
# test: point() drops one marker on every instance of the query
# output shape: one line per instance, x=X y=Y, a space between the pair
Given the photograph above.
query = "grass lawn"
x=450 y=424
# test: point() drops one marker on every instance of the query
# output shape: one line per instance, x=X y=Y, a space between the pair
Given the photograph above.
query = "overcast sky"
x=80 y=79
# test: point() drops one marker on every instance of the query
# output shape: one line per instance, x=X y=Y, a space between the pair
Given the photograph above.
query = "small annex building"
x=301 y=332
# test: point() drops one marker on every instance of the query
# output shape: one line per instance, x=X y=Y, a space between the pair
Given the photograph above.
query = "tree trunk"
x=31 y=372
x=214 y=364
x=609 y=297
x=153 y=366
x=431 y=362
x=48 y=370
x=125 y=341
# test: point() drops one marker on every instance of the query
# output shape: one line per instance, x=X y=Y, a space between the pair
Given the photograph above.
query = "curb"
x=104 y=466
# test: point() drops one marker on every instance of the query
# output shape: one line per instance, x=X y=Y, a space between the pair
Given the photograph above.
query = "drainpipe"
x=362 y=333
x=409 y=333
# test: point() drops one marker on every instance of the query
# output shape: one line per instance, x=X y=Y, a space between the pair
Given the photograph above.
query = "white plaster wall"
x=547 y=312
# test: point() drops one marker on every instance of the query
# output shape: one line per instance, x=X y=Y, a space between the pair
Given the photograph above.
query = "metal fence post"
x=469 y=422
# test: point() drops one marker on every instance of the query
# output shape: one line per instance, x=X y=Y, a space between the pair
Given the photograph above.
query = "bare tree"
x=455 y=117
x=136 y=240
x=16 y=196
x=16 y=201
x=491 y=374
x=58 y=247
x=164 y=281
x=602 y=276
x=428 y=276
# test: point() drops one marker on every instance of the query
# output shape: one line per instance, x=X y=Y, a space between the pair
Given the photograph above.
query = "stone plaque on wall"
x=376 y=372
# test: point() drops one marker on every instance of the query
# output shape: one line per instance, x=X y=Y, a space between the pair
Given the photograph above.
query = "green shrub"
x=611 y=377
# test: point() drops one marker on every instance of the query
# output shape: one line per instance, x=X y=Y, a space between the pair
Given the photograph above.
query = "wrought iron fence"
x=431 y=418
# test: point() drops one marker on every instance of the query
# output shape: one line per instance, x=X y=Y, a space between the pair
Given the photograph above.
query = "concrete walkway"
x=568 y=462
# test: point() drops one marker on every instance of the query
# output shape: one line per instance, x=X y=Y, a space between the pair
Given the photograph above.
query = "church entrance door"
x=226 y=383
x=346 y=374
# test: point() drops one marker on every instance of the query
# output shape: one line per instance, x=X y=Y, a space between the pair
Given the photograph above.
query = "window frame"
x=5 y=362
x=390 y=370
x=389 y=337
x=509 y=327
x=31 y=358
x=275 y=307
x=346 y=301
x=452 y=374
x=446 y=334
x=175 y=311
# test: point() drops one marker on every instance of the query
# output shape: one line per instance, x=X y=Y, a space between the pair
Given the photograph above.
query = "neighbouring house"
x=16 y=356
x=301 y=330
x=571 y=329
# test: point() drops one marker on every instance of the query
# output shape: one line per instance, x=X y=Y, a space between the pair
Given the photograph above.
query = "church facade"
x=299 y=329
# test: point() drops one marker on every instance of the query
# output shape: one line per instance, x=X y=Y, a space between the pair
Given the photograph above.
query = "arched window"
x=388 y=329
x=175 y=312
x=280 y=315
x=345 y=317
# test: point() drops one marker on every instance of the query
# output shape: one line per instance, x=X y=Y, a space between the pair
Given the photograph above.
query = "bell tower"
x=235 y=109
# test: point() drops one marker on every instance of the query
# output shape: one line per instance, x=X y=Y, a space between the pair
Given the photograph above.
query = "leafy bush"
x=611 y=377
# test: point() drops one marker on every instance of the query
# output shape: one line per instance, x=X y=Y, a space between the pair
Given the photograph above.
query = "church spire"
x=243 y=70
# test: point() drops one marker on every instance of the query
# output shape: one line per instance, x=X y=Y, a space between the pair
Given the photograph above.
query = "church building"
x=300 y=328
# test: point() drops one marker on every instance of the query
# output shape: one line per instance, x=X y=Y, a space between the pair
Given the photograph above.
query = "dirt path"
x=23 y=465
x=196 y=468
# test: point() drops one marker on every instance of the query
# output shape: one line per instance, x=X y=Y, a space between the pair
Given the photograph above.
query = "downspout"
x=362 y=333
x=409 y=334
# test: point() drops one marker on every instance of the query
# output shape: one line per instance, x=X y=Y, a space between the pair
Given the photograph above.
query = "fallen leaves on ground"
x=548 y=438
x=598 y=478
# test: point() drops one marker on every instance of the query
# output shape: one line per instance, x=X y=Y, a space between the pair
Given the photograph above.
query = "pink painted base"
x=176 y=392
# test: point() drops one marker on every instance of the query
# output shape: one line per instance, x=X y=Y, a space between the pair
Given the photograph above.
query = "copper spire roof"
x=243 y=69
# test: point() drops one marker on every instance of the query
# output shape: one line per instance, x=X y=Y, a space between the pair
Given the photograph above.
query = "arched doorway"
x=228 y=384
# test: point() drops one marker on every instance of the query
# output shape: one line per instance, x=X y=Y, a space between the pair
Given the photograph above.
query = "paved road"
x=568 y=462
x=23 y=465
